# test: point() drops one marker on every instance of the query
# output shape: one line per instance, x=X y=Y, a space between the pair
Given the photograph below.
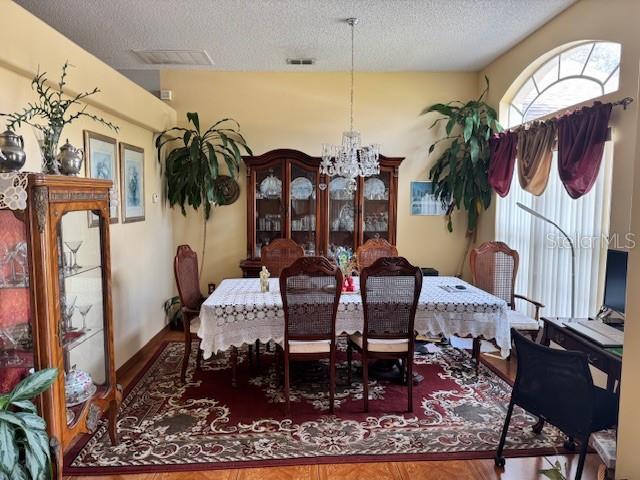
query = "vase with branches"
x=460 y=174
x=51 y=112
x=193 y=165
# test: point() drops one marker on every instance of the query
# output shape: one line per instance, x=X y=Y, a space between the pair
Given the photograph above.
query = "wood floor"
x=516 y=468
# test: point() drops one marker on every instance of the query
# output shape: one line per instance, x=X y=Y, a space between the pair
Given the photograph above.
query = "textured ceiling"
x=393 y=35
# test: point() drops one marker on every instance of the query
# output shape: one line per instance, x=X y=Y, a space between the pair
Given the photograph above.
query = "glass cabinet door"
x=16 y=341
x=342 y=216
x=376 y=206
x=269 y=206
x=303 y=213
x=82 y=314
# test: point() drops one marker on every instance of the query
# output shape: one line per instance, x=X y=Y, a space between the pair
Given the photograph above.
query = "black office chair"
x=556 y=386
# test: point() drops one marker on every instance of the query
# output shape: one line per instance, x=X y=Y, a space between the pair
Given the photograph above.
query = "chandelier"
x=351 y=159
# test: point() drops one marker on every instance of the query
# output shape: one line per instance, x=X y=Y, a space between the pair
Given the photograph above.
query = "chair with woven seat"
x=372 y=250
x=279 y=254
x=494 y=267
x=185 y=267
x=390 y=289
x=556 y=386
x=310 y=290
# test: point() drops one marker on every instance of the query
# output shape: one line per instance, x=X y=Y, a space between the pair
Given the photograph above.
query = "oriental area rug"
x=165 y=425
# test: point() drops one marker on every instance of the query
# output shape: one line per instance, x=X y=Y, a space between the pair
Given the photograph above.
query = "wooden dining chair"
x=310 y=290
x=494 y=267
x=185 y=267
x=390 y=289
x=372 y=250
x=279 y=254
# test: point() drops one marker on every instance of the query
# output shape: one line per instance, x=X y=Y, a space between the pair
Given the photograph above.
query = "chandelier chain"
x=353 y=24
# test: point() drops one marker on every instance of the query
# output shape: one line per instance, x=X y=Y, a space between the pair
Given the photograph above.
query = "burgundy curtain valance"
x=580 y=137
x=502 y=147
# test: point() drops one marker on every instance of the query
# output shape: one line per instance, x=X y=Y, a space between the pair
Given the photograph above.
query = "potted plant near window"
x=460 y=174
x=24 y=443
x=192 y=167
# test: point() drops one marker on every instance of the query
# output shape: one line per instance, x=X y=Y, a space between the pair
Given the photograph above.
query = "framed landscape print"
x=132 y=173
x=423 y=201
x=101 y=162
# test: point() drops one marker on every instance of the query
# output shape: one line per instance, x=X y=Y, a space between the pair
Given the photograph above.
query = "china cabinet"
x=288 y=198
x=55 y=299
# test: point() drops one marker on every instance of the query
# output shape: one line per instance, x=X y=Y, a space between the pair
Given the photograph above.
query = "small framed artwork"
x=423 y=201
x=132 y=173
x=101 y=162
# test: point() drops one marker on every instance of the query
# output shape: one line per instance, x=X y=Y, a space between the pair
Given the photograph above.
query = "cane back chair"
x=279 y=254
x=185 y=267
x=372 y=250
x=310 y=290
x=494 y=267
x=390 y=289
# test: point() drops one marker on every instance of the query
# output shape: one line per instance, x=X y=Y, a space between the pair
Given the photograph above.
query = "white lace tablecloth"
x=237 y=313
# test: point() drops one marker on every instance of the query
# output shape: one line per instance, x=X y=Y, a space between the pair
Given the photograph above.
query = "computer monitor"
x=615 y=284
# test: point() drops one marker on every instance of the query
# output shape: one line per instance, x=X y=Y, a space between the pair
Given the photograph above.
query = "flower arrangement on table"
x=347 y=263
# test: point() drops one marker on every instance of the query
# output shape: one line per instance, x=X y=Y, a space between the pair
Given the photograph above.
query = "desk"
x=607 y=360
x=237 y=314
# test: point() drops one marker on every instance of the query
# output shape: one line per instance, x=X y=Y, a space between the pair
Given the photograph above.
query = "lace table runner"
x=13 y=190
x=237 y=313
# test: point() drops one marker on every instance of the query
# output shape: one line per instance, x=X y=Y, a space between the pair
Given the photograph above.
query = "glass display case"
x=55 y=299
x=16 y=339
x=269 y=206
x=343 y=207
x=288 y=198
x=303 y=206
x=376 y=206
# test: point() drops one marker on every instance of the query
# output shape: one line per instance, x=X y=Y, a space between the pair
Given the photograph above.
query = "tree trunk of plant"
x=471 y=239
x=204 y=245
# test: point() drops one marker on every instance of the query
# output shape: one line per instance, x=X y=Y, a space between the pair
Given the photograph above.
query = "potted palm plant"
x=193 y=165
x=24 y=443
x=460 y=174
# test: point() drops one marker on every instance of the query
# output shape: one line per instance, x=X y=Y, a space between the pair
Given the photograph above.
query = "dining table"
x=237 y=313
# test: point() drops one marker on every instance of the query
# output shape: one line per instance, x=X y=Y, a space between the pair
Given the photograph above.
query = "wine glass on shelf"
x=84 y=310
x=10 y=343
x=74 y=246
x=68 y=308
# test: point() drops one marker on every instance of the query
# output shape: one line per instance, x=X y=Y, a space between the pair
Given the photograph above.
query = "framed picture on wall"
x=101 y=162
x=132 y=174
x=423 y=201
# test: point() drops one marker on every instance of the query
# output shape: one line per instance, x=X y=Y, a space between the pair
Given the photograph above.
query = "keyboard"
x=600 y=333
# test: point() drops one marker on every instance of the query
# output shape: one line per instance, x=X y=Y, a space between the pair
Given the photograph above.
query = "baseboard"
x=143 y=353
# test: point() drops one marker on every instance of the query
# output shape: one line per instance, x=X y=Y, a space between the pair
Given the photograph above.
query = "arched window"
x=586 y=71
x=577 y=74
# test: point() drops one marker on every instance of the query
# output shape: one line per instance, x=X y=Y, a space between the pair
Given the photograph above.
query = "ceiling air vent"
x=175 y=57
x=300 y=61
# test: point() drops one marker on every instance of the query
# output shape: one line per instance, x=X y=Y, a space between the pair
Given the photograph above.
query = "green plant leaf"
x=552 y=474
x=474 y=149
x=450 y=124
x=9 y=450
x=193 y=118
x=468 y=128
x=19 y=473
x=31 y=420
x=34 y=384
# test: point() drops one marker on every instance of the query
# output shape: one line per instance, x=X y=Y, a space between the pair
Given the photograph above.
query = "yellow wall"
x=616 y=21
x=141 y=252
x=304 y=110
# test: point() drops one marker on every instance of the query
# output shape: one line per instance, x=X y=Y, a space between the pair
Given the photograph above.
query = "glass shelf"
x=74 y=338
x=81 y=270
